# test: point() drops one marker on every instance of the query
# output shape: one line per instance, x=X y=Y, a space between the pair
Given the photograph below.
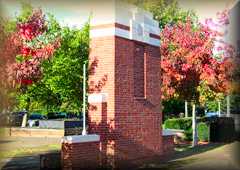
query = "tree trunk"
x=219 y=108
x=228 y=106
x=24 y=121
x=194 y=126
x=186 y=108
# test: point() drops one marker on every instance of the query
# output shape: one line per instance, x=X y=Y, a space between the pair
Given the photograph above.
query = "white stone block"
x=97 y=98
x=81 y=138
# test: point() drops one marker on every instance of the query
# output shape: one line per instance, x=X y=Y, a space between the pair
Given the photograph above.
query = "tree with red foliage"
x=188 y=59
x=9 y=48
x=34 y=48
x=191 y=67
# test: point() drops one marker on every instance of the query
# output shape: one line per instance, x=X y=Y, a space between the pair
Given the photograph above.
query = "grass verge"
x=29 y=151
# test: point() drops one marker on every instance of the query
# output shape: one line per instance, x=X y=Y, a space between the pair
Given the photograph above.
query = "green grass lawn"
x=29 y=151
x=212 y=156
x=2 y=131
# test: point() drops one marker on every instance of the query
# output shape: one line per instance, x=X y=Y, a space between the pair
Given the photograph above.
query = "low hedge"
x=186 y=125
x=203 y=132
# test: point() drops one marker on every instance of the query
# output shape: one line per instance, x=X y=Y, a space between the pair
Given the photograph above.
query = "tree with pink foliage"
x=35 y=46
x=189 y=59
x=193 y=68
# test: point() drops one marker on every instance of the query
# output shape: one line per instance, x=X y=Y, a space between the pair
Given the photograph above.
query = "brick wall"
x=80 y=155
x=129 y=128
x=168 y=144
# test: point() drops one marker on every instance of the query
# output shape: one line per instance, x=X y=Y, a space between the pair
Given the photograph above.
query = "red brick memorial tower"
x=124 y=84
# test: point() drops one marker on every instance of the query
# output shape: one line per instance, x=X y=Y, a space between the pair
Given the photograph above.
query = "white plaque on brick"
x=97 y=98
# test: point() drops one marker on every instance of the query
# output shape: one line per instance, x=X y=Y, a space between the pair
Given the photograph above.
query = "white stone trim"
x=97 y=98
x=103 y=32
x=122 y=33
x=154 y=41
x=172 y=132
x=81 y=138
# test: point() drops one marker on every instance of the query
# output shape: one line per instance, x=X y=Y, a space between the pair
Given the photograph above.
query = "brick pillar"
x=124 y=85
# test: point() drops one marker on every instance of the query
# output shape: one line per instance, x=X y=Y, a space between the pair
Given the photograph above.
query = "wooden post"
x=194 y=126
x=219 y=108
x=84 y=100
x=228 y=105
x=24 y=121
x=186 y=108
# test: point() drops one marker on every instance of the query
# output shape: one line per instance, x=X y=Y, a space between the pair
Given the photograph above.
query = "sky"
x=206 y=8
x=68 y=12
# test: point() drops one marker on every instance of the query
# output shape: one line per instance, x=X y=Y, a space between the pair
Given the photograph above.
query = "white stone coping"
x=172 y=132
x=97 y=98
x=133 y=34
x=81 y=138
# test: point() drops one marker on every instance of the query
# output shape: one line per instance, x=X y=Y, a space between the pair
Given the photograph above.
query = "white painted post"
x=84 y=132
x=228 y=105
x=186 y=108
x=194 y=126
x=219 y=108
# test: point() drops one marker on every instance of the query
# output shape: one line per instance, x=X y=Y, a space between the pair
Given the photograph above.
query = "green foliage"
x=172 y=107
x=61 y=86
x=180 y=123
x=212 y=106
x=186 y=125
x=22 y=101
x=63 y=74
x=207 y=95
x=203 y=132
x=25 y=12
x=165 y=11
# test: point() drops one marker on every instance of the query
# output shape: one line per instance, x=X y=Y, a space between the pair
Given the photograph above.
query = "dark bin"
x=222 y=130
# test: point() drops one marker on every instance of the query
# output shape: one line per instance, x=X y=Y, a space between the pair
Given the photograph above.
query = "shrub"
x=186 y=125
x=203 y=132
x=180 y=123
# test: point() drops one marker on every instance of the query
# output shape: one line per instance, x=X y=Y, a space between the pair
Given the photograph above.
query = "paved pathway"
x=212 y=157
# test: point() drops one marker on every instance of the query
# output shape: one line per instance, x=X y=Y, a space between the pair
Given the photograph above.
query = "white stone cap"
x=139 y=24
x=172 y=132
x=81 y=138
x=97 y=98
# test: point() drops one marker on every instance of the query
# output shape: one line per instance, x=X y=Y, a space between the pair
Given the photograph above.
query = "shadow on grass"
x=5 y=141
x=33 y=162
x=21 y=163
x=29 y=158
x=190 y=151
x=177 y=161
x=171 y=165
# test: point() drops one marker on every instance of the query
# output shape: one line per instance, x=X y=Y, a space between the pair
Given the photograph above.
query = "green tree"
x=60 y=88
x=63 y=74
x=165 y=11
